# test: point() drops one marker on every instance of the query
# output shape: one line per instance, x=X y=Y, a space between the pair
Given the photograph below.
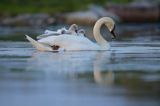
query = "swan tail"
x=37 y=45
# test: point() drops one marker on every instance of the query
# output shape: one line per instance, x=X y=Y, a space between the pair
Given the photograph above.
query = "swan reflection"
x=74 y=63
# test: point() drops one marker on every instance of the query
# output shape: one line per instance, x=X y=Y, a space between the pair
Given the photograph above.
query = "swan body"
x=67 y=42
x=78 y=42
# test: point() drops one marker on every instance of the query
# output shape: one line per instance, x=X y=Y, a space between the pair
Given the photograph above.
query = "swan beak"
x=113 y=34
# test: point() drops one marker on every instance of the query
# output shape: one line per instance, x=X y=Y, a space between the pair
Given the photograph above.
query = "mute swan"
x=68 y=42
x=72 y=30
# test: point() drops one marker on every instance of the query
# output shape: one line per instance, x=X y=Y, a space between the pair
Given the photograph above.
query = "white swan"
x=68 y=42
x=72 y=30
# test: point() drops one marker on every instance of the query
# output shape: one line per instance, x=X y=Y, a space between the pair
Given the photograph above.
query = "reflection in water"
x=93 y=65
x=75 y=62
x=126 y=75
x=99 y=77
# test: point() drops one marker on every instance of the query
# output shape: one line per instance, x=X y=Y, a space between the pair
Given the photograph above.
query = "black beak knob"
x=113 y=35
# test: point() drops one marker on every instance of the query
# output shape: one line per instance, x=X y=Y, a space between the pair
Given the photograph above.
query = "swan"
x=72 y=30
x=70 y=43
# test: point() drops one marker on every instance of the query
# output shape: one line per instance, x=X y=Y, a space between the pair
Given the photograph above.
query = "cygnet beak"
x=76 y=30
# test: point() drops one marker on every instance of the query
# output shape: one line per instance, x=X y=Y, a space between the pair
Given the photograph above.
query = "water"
x=126 y=75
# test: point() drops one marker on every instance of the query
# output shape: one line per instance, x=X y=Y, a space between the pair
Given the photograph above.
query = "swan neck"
x=97 y=35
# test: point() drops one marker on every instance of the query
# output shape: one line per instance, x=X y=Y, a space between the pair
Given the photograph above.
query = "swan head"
x=109 y=22
x=73 y=28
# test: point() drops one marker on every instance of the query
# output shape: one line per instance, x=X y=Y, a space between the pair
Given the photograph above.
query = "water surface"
x=126 y=75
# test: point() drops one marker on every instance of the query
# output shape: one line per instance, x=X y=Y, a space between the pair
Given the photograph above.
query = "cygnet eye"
x=63 y=31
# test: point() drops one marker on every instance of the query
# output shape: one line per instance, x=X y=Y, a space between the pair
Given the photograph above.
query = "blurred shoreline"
x=150 y=31
x=132 y=18
x=135 y=11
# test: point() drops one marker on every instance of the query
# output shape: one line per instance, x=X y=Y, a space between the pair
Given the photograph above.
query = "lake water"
x=126 y=75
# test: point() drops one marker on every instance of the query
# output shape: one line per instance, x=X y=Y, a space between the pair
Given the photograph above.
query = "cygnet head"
x=74 y=28
x=63 y=30
x=81 y=32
